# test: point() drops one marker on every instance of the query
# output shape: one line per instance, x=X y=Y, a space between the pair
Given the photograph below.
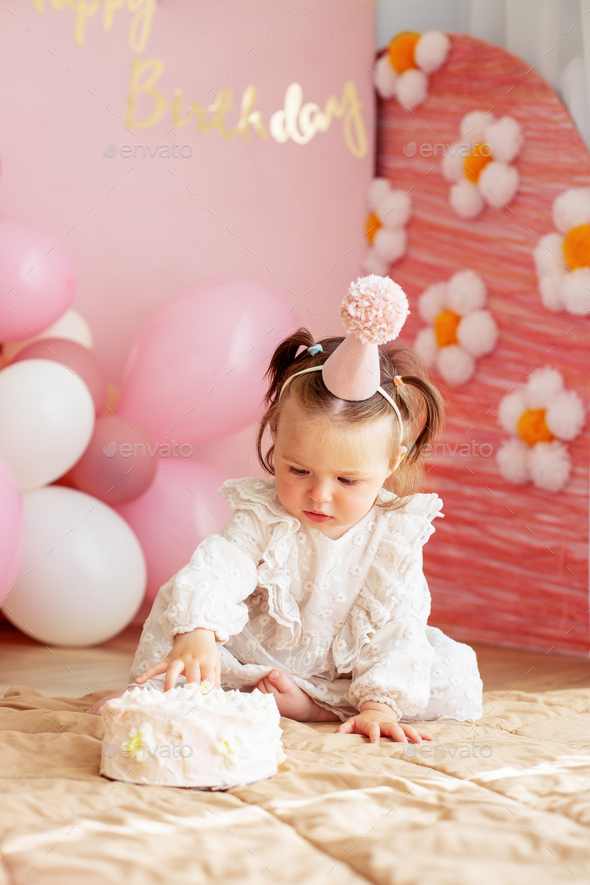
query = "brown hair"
x=419 y=402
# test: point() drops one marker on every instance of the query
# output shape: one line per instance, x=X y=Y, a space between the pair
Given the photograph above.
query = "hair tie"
x=315 y=348
x=397 y=380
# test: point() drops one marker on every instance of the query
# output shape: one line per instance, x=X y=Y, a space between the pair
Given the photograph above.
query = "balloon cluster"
x=100 y=499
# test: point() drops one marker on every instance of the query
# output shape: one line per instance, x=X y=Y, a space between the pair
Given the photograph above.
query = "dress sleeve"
x=393 y=667
x=210 y=590
x=224 y=570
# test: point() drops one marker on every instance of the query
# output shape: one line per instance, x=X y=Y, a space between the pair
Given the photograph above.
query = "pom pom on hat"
x=374 y=309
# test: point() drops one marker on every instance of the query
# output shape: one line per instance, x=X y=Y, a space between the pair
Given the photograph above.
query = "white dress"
x=345 y=619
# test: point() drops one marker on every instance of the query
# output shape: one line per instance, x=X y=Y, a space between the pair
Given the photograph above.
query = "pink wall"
x=288 y=214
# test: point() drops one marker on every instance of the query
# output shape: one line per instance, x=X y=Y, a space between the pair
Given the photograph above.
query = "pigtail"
x=422 y=409
x=433 y=419
x=283 y=359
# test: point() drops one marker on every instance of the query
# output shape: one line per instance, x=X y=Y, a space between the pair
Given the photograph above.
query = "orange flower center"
x=475 y=163
x=401 y=51
x=373 y=225
x=445 y=328
x=576 y=247
x=532 y=428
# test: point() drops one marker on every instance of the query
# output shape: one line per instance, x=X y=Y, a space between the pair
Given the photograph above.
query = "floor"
x=72 y=672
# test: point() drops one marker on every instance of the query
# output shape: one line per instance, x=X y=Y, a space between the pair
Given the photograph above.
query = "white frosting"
x=196 y=735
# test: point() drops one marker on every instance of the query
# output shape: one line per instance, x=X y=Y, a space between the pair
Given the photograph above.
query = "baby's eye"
x=297 y=472
x=347 y=482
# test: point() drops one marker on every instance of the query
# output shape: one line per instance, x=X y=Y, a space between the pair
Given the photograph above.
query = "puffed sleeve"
x=393 y=666
x=210 y=590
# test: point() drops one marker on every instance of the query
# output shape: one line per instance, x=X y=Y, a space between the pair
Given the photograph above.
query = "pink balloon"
x=77 y=358
x=12 y=528
x=37 y=278
x=119 y=463
x=173 y=516
x=198 y=364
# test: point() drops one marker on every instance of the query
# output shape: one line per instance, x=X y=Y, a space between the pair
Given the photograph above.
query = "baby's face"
x=328 y=475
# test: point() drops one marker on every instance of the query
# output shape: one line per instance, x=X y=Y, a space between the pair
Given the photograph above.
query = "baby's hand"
x=379 y=720
x=195 y=653
x=95 y=709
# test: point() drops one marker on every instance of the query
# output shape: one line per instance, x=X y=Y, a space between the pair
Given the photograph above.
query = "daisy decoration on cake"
x=480 y=167
x=541 y=417
x=389 y=211
x=404 y=68
x=562 y=258
x=460 y=328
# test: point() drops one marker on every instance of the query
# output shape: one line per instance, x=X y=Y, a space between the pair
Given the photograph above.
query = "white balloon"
x=46 y=420
x=83 y=574
x=70 y=325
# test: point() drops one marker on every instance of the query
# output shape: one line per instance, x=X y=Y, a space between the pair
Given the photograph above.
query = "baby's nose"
x=320 y=493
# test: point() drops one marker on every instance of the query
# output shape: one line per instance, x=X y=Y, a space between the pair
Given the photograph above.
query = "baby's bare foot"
x=291 y=700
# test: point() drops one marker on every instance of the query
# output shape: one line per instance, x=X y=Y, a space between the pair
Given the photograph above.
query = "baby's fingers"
x=175 y=668
x=193 y=672
x=210 y=675
x=154 y=670
x=394 y=731
x=346 y=727
x=416 y=733
x=373 y=732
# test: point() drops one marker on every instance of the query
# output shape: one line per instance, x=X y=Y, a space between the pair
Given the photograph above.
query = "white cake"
x=194 y=736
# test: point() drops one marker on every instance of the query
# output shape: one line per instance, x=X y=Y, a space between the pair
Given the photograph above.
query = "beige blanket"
x=505 y=801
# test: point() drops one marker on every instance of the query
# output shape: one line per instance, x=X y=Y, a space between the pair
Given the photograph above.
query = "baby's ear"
x=400 y=456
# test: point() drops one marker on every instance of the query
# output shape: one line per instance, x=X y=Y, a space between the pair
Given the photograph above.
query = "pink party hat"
x=372 y=312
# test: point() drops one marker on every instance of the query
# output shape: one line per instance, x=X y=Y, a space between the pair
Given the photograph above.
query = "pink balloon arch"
x=196 y=370
x=77 y=358
x=179 y=508
x=12 y=528
x=195 y=374
x=37 y=278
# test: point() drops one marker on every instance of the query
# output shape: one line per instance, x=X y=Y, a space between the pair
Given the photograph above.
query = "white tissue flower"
x=540 y=417
x=403 y=70
x=479 y=167
x=562 y=258
x=389 y=211
x=460 y=328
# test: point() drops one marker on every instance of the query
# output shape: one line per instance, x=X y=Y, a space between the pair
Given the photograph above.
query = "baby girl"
x=314 y=590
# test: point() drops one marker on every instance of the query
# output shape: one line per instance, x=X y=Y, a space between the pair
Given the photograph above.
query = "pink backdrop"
x=141 y=229
x=287 y=214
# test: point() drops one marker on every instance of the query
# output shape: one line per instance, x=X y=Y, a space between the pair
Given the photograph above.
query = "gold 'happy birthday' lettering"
x=295 y=121
x=141 y=23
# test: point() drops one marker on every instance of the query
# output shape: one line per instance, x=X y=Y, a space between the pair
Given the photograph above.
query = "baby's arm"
x=202 y=605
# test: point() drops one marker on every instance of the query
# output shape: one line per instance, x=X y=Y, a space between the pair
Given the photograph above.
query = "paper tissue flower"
x=403 y=70
x=479 y=167
x=563 y=259
x=389 y=212
x=541 y=417
x=460 y=329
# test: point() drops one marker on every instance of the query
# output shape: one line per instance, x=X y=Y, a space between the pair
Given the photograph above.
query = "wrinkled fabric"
x=504 y=801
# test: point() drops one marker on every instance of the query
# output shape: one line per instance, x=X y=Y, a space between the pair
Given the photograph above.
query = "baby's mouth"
x=317 y=516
